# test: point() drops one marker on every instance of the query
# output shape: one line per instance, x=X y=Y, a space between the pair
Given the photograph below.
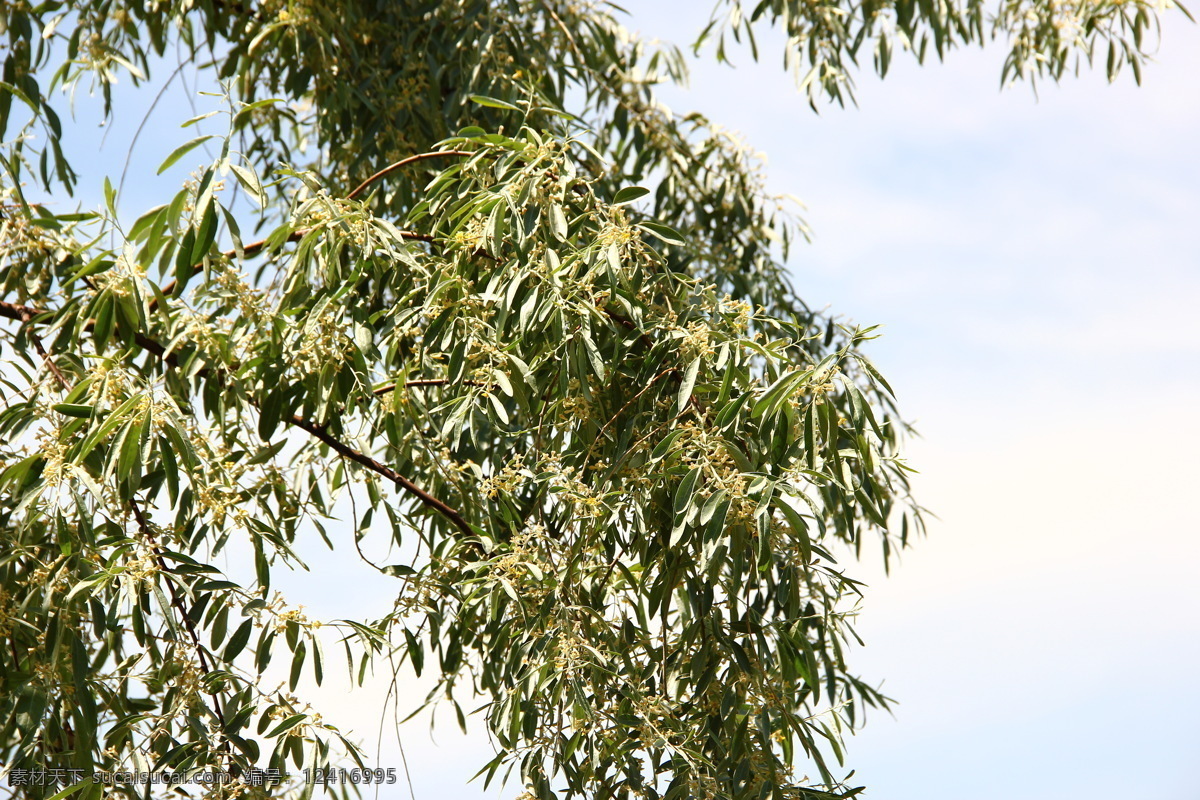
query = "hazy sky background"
x=1036 y=264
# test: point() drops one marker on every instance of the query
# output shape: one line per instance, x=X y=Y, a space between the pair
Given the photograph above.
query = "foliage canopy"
x=616 y=454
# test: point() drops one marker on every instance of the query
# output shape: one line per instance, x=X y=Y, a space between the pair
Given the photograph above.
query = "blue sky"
x=1036 y=265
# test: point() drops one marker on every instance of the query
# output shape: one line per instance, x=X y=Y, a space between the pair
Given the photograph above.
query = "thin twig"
x=419 y=382
x=404 y=162
x=634 y=399
x=346 y=451
x=137 y=134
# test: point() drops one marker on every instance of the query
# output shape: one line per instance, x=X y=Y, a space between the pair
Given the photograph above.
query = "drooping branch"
x=419 y=382
x=144 y=526
x=255 y=247
x=28 y=314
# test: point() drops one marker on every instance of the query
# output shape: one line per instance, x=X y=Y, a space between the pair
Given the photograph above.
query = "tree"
x=617 y=455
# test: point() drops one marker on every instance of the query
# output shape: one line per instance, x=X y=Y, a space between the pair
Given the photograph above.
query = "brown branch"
x=247 y=250
x=49 y=362
x=18 y=312
x=404 y=162
x=418 y=382
x=628 y=324
x=26 y=314
x=346 y=451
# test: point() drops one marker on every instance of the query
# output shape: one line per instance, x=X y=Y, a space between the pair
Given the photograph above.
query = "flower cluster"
x=525 y=556
x=469 y=238
x=700 y=448
x=34 y=248
x=508 y=480
x=323 y=342
x=249 y=301
x=575 y=406
x=140 y=572
x=120 y=279
x=617 y=230
x=824 y=386
x=565 y=481
x=187 y=677
x=209 y=335
x=572 y=650
x=56 y=470
x=6 y=612
x=696 y=341
x=110 y=383
x=281 y=615
x=738 y=312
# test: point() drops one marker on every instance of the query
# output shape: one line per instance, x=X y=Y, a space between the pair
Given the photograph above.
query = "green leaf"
x=238 y=641
x=492 y=102
x=199 y=118
x=217 y=637
x=252 y=107
x=206 y=234
x=711 y=505
x=297 y=666
x=778 y=392
x=110 y=197
x=270 y=413
x=250 y=182
x=74 y=410
x=629 y=194
x=287 y=725
x=799 y=526
x=687 y=385
x=105 y=310
x=666 y=234
x=874 y=373
x=257 y=604
x=686 y=490
x=318 y=661
x=660 y=450
x=183 y=150
x=70 y=790
x=729 y=412
x=558 y=222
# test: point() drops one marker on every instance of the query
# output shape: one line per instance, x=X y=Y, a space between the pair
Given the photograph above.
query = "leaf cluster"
x=503 y=316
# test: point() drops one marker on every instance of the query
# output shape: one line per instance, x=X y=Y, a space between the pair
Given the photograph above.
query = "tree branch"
x=404 y=162
x=27 y=314
x=418 y=382
x=18 y=312
x=346 y=451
